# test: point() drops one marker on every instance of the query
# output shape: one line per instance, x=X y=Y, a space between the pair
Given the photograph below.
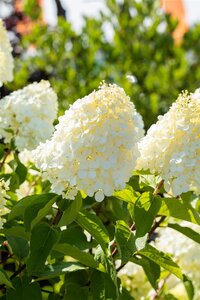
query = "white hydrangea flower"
x=28 y=115
x=171 y=147
x=94 y=147
x=184 y=251
x=4 y=187
x=6 y=59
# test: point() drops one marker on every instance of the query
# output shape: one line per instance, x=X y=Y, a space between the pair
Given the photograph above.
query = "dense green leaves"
x=40 y=200
x=4 y=279
x=162 y=259
x=59 y=268
x=102 y=287
x=19 y=246
x=125 y=240
x=151 y=269
x=179 y=209
x=24 y=289
x=71 y=212
x=43 y=238
x=83 y=257
x=94 y=226
x=145 y=210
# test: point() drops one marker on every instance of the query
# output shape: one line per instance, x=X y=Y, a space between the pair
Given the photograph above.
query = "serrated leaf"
x=162 y=259
x=43 y=238
x=84 y=258
x=190 y=233
x=179 y=209
x=94 y=226
x=125 y=240
x=4 y=279
x=145 y=210
x=70 y=213
x=19 y=209
x=24 y=290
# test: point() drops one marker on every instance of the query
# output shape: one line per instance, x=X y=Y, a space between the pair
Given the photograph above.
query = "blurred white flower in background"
x=94 y=147
x=6 y=59
x=27 y=115
x=171 y=147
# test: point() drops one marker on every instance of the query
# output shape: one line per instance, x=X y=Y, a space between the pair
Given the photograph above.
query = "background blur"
x=155 y=43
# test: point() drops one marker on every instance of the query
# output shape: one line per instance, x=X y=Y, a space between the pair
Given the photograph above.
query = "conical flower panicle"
x=94 y=147
x=171 y=147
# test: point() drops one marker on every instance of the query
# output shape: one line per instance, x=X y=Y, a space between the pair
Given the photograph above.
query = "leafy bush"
x=55 y=248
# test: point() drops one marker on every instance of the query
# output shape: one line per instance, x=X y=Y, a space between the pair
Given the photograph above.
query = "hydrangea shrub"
x=92 y=208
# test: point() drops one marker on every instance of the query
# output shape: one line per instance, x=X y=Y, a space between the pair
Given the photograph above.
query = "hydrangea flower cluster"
x=94 y=147
x=3 y=194
x=28 y=115
x=171 y=147
x=6 y=59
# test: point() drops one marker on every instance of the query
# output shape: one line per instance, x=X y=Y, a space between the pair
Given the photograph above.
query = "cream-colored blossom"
x=171 y=147
x=4 y=187
x=94 y=147
x=28 y=115
x=6 y=59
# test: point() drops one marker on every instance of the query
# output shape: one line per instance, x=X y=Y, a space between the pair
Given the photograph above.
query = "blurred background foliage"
x=130 y=38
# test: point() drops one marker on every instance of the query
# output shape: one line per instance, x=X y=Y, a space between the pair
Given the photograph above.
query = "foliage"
x=130 y=38
x=53 y=248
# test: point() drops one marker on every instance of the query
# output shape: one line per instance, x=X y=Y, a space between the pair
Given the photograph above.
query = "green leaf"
x=151 y=269
x=19 y=209
x=145 y=210
x=2 y=150
x=74 y=236
x=74 y=291
x=59 y=268
x=102 y=287
x=193 y=235
x=162 y=259
x=125 y=241
x=179 y=209
x=43 y=238
x=94 y=226
x=21 y=171
x=4 y=279
x=17 y=231
x=71 y=212
x=127 y=195
x=20 y=247
x=189 y=287
x=24 y=290
x=36 y=212
x=84 y=258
